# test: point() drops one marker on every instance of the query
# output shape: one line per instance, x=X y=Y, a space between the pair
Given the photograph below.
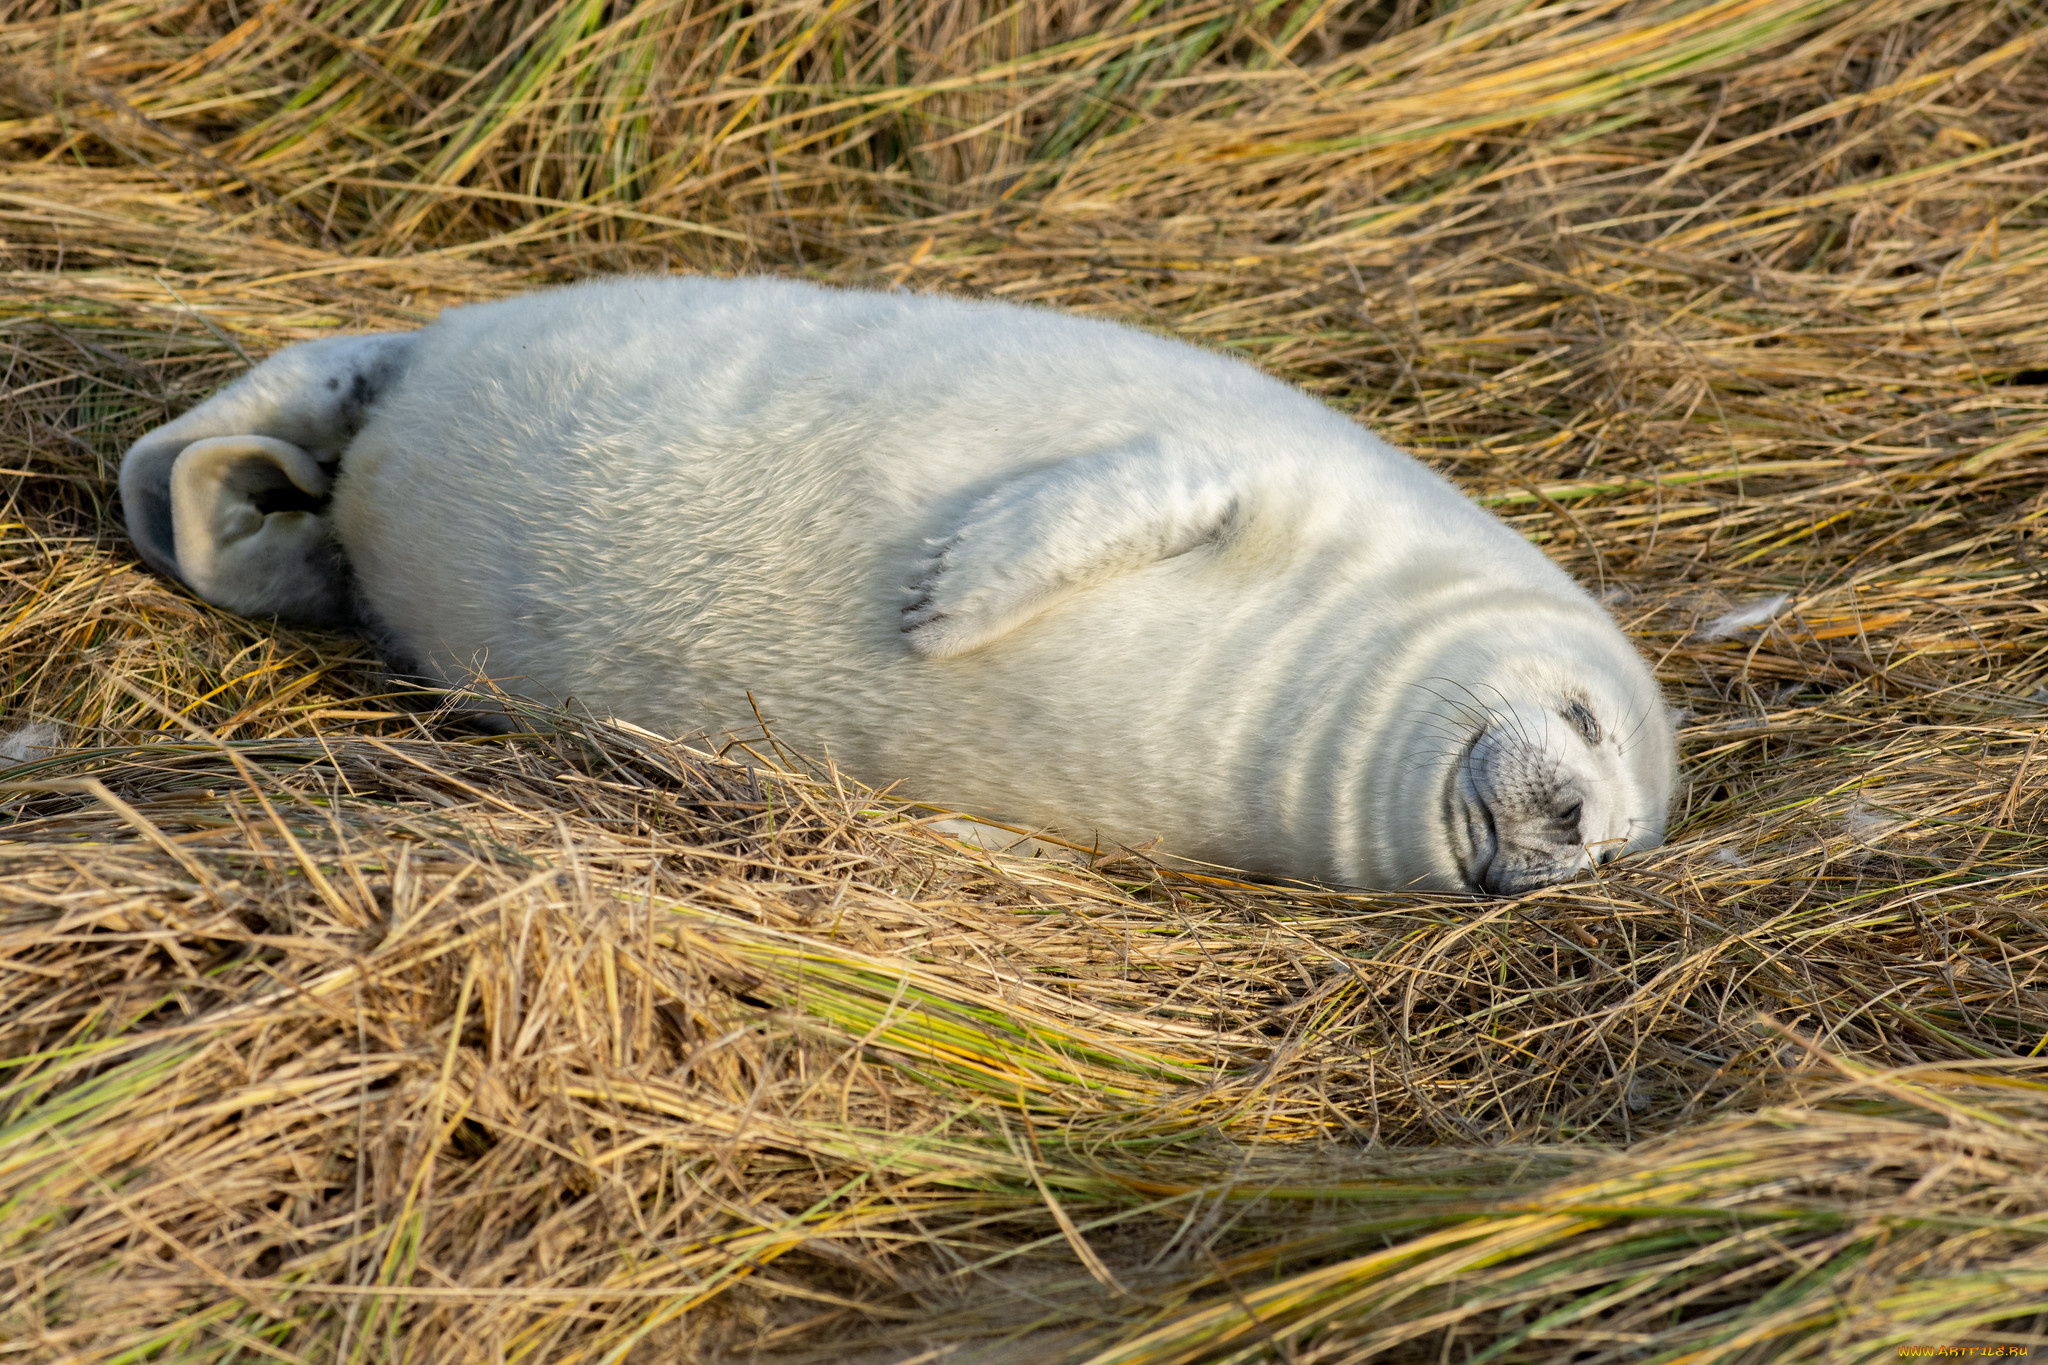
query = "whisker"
x=1624 y=745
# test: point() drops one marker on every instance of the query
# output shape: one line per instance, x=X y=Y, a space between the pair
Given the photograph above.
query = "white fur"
x=30 y=742
x=1054 y=571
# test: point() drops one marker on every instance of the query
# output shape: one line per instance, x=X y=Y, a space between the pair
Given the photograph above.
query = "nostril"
x=1570 y=814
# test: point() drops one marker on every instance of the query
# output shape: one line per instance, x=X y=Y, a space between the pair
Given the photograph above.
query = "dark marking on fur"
x=365 y=387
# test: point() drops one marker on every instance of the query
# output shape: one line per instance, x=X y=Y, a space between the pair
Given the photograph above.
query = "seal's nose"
x=1538 y=839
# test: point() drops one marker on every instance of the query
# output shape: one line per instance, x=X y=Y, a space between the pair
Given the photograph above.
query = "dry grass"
x=329 y=1032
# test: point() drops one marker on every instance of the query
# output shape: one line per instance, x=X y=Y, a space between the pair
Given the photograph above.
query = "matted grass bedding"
x=333 y=1031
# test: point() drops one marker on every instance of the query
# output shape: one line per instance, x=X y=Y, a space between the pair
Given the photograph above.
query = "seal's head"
x=1546 y=790
x=1544 y=750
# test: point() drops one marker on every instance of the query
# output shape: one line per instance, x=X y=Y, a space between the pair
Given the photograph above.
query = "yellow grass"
x=330 y=1031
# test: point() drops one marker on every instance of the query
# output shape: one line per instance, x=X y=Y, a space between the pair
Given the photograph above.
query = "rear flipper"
x=230 y=497
x=247 y=532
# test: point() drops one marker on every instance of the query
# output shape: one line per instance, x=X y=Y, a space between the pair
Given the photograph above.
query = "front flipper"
x=313 y=397
x=1054 y=531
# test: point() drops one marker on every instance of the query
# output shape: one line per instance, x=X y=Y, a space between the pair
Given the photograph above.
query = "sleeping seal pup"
x=1044 y=569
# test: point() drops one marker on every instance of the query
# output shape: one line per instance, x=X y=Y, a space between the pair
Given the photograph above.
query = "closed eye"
x=1582 y=719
